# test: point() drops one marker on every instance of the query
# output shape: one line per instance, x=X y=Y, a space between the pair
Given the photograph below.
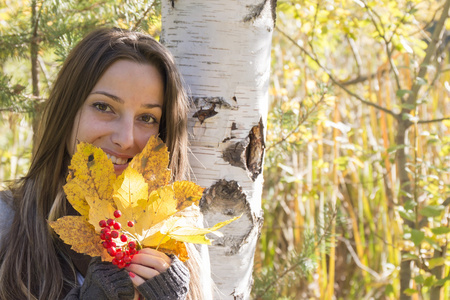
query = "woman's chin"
x=118 y=169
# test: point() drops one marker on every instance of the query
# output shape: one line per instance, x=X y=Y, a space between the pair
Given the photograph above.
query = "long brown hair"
x=30 y=267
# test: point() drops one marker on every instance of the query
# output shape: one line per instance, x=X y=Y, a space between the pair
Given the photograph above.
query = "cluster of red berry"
x=110 y=231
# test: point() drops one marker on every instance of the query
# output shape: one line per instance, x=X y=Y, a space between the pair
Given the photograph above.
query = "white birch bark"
x=223 y=51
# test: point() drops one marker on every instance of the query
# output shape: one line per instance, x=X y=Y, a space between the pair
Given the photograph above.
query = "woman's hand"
x=147 y=264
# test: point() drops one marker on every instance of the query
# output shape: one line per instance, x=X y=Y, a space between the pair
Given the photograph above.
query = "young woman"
x=115 y=90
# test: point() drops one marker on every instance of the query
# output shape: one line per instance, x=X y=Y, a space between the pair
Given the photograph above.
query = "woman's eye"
x=102 y=106
x=148 y=119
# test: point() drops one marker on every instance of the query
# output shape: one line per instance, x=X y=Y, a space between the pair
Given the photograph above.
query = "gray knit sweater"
x=105 y=281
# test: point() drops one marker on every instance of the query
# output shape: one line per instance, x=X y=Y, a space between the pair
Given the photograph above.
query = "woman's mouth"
x=117 y=160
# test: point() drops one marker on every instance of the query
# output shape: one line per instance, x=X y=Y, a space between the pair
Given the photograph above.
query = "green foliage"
x=45 y=31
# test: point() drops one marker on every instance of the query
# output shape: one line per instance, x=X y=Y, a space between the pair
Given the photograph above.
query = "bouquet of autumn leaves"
x=139 y=208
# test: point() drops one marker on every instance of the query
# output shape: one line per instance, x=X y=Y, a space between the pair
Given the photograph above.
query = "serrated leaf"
x=187 y=193
x=77 y=232
x=91 y=174
x=154 y=170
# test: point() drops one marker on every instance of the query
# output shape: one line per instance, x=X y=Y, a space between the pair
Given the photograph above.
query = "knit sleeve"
x=173 y=284
x=104 y=281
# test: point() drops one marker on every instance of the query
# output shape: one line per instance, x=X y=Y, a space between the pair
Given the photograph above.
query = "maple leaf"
x=165 y=215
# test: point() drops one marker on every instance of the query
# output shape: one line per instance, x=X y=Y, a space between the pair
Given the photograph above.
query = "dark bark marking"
x=235 y=154
x=233 y=126
x=204 y=101
x=227 y=198
x=204 y=114
x=248 y=154
x=255 y=10
x=255 y=150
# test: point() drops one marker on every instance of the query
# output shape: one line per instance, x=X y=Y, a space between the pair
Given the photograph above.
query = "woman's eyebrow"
x=113 y=97
x=120 y=100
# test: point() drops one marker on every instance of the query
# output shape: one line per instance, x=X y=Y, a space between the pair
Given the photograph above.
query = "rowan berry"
x=130 y=224
x=106 y=244
x=117 y=226
x=132 y=244
x=110 y=222
x=123 y=238
x=102 y=223
x=119 y=255
x=102 y=236
x=111 y=251
x=117 y=214
x=108 y=236
x=122 y=265
x=115 y=262
x=127 y=259
x=114 y=234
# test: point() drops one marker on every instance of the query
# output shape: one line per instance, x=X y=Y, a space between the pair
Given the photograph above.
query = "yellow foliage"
x=164 y=215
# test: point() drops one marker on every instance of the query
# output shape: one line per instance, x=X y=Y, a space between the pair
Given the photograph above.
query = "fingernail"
x=132 y=275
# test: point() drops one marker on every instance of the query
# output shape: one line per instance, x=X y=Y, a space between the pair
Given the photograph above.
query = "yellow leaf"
x=152 y=163
x=187 y=193
x=160 y=205
x=91 y=174
x=130 y=188
x=99 y=210
x=76 y=231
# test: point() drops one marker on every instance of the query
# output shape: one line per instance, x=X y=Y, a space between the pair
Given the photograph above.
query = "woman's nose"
x=123 y=134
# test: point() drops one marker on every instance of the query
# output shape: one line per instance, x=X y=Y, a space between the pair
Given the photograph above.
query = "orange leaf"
x=176 y=248
x=152 y=163
x=187 y=193
x=77 y=232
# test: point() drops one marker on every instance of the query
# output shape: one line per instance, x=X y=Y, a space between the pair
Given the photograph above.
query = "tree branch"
x=435 y=39
x=337 y=82
x=433 y=120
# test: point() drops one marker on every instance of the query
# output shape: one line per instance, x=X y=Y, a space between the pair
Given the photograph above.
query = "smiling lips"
x=117 y=160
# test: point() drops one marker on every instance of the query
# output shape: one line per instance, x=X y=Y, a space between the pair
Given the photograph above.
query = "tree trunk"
x=223 y=51
x=34 y=49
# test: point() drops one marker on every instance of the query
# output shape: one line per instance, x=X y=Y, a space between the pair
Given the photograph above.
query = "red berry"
x=123 y=238
x=115 y=262
x=110 y=222
x=108 y=236
x=114 y=234
x=133 y=251
x=113 y=244
x=102 y=236
x=127 y=259
x=105 y=230
x=122 y=265
x=111 y=251
x=119 y=255
x=130 y=224
x=117 y=214
x=132 y=244
x=102 y=223
x=117 y=226
x=106 y=245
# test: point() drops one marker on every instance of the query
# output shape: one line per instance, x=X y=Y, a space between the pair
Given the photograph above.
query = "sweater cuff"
x=169 y=285
x=115 y=282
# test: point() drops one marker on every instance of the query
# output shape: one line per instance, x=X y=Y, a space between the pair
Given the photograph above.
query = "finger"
x=154 y=252
x=142 y=271
x=151 y=261
x=137 y=281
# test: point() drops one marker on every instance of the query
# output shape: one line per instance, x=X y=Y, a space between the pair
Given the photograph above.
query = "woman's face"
x=122 y=111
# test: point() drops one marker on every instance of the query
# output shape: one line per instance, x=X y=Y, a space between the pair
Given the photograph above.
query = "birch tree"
x=223 y=51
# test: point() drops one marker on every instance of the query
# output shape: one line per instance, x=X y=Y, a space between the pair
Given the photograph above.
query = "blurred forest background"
x=357 y=166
